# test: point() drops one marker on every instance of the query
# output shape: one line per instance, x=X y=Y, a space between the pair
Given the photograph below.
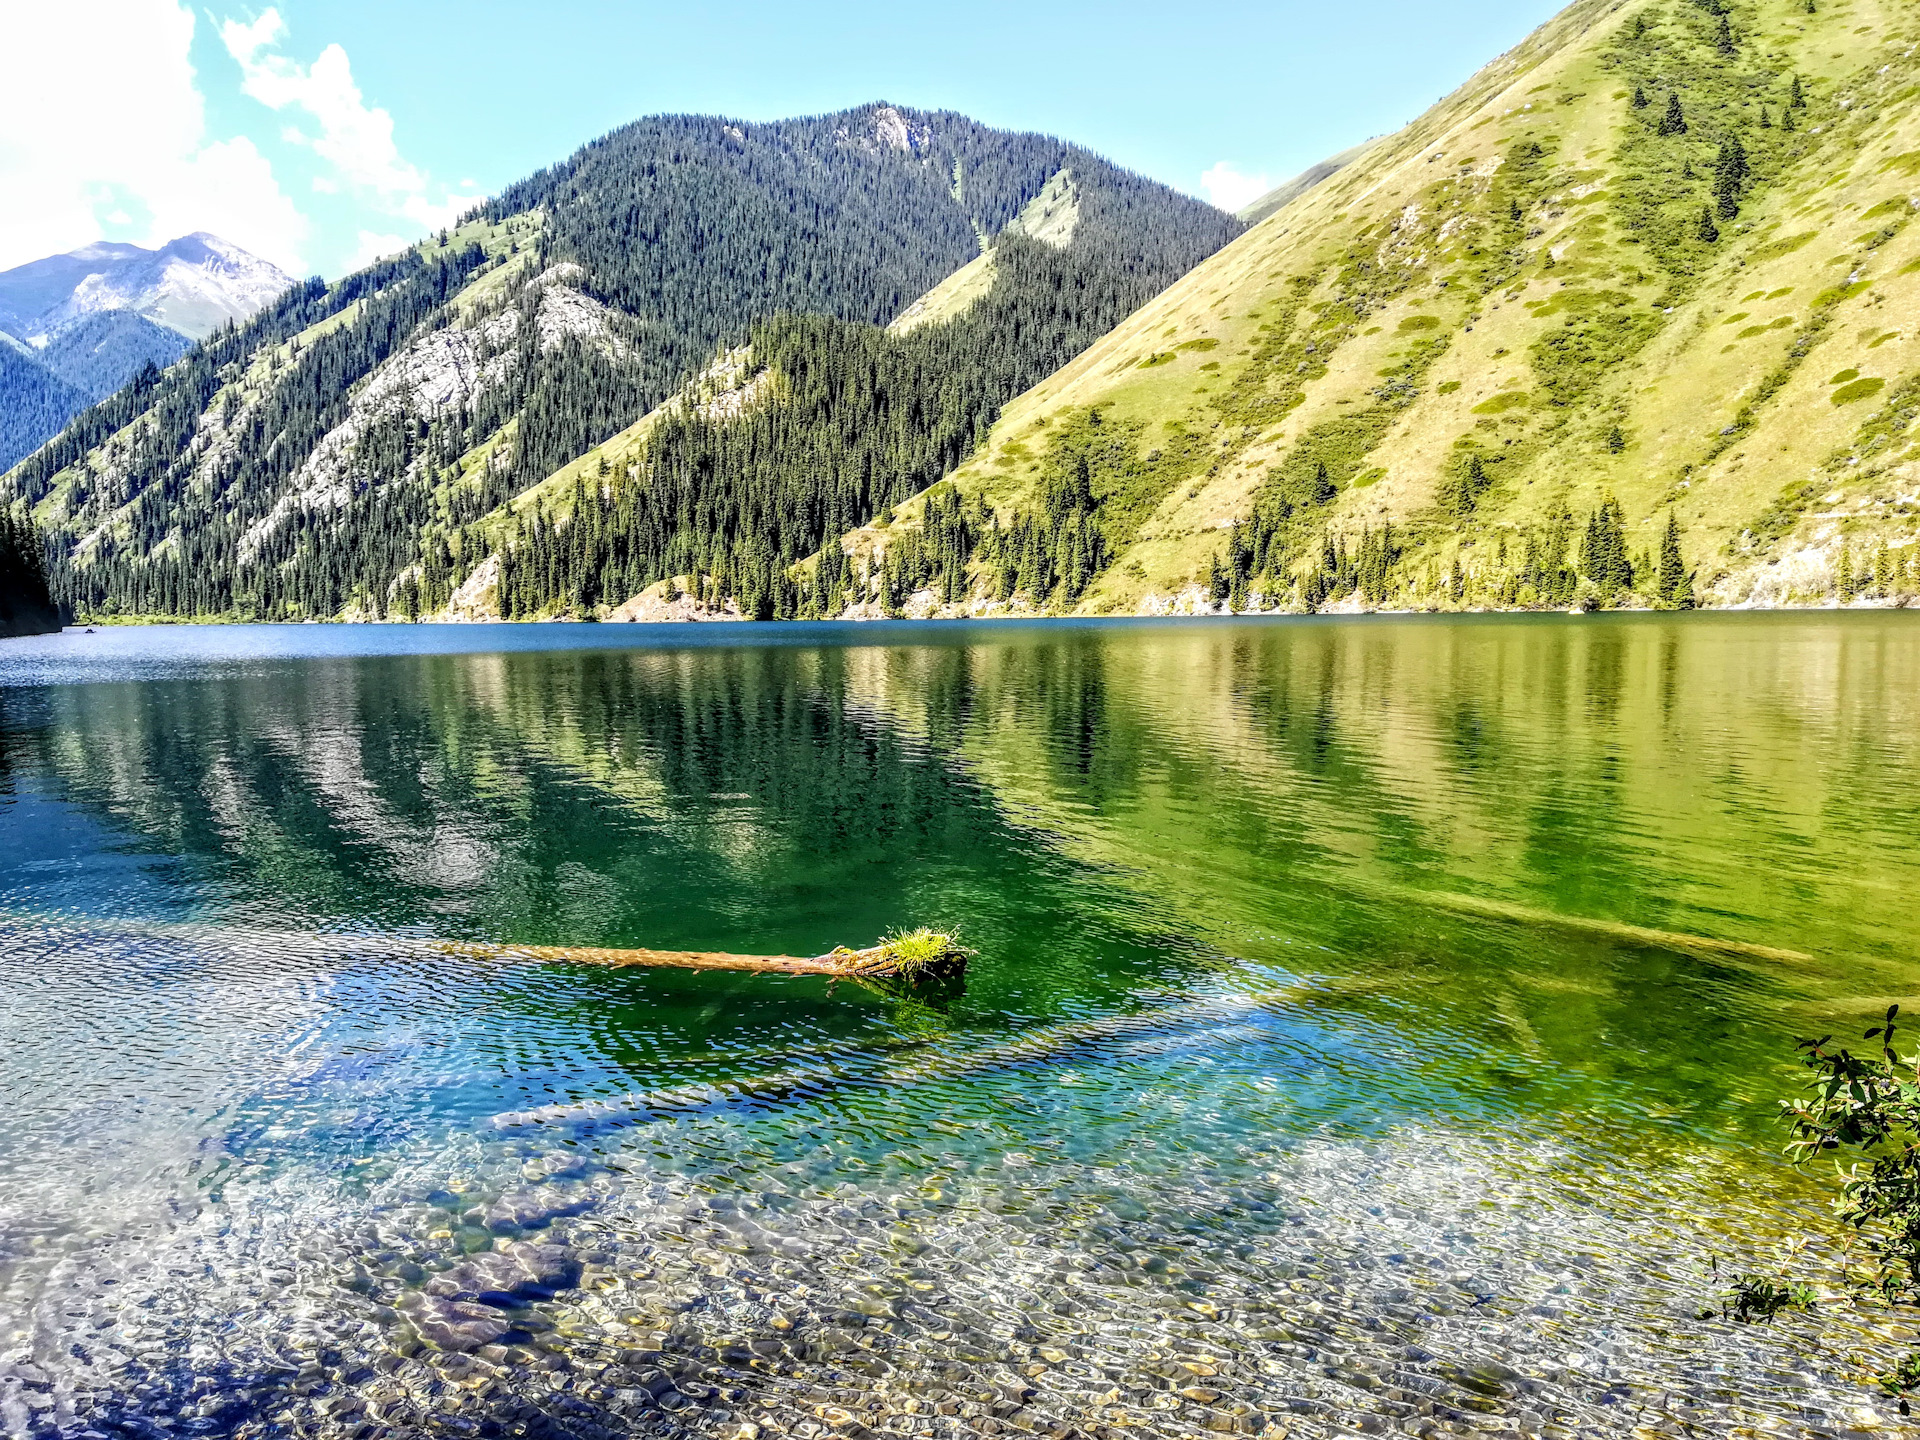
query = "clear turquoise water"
x=1377 y=1023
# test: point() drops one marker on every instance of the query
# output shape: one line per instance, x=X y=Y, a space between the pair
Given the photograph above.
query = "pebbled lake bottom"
x=1377 y=1026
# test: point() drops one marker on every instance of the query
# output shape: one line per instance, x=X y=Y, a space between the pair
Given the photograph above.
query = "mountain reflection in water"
x=1376 y=1023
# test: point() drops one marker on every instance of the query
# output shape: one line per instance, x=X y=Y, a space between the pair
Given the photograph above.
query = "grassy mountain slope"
x=353 y=450
x=1541 y=295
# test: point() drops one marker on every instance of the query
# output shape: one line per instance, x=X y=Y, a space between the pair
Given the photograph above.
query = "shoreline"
x=1025 y=617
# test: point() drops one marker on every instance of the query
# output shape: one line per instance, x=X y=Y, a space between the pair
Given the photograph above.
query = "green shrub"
x=1858 y=390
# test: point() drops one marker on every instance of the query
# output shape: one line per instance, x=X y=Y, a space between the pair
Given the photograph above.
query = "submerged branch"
x=921 y=952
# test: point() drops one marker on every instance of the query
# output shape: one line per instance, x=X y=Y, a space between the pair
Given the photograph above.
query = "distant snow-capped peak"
x=194 y=285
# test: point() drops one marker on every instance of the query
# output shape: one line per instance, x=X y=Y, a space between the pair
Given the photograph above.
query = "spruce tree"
x=1672 y=573
x=1323 y=491
x=1616 y=440
x=1723 y=37
x=1477 y=480
x=1786 y=121
x=1603 y=551
x=1796 y=98
x=1640 y=101
x=1708 y=231
x=1730 y=172
x=1674 y=122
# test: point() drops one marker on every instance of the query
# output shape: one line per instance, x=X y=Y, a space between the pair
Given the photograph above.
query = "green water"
x=1375 y=1023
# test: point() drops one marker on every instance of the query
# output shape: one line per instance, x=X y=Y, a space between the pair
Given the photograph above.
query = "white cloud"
x=1227 y=188
x=354 y=139
x=129 y=140
x=371 y=247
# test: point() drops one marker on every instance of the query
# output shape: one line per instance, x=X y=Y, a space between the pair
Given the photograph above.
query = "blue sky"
x=322 y=132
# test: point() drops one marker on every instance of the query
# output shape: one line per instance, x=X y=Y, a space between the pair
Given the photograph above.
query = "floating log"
x=923 y=953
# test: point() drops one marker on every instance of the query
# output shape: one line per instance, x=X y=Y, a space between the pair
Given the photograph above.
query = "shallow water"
x=1376 y=1025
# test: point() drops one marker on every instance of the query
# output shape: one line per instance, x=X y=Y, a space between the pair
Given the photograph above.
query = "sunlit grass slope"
x=1542 y=293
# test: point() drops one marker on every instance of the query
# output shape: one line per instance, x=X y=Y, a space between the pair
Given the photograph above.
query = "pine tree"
x=1723 y=37
x=1217 y=583
x=1796 y=98
x=1674 y=122
x=1673 y=585
x=1766 y=120
x=1603 y=552
x=1640 y=101
x=1708 y=231
x=1239 y=567
x=1461 y=490
x=1616 y=440
x=1730 y=172
x=1323 y=491
x=1786 y=121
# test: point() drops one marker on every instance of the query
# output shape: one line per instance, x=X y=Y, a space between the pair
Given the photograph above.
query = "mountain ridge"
x=86 y=322
x=1485 y=364
x=193 y=284
x=338 y=455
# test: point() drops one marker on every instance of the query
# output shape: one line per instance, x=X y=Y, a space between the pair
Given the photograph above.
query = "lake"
x=1377 y=1024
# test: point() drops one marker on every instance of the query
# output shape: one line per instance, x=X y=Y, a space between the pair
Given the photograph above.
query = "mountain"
x=79 y=326
x=707 y=302
x=34 y=402
x=1627 y=319
x=99 y=354
x=193 y=285
x=1286 y=194
x=42 y=389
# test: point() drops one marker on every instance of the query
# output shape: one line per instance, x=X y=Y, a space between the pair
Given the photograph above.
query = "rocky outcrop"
x=670 y=600
x=437 y=374
x=477 y=598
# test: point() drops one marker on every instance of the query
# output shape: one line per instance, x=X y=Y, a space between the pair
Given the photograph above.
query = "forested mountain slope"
x=1630 y=318
x=42 y=389
x=34 y=402
x=79 y=326
x=356 y=449
x=25 y=606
